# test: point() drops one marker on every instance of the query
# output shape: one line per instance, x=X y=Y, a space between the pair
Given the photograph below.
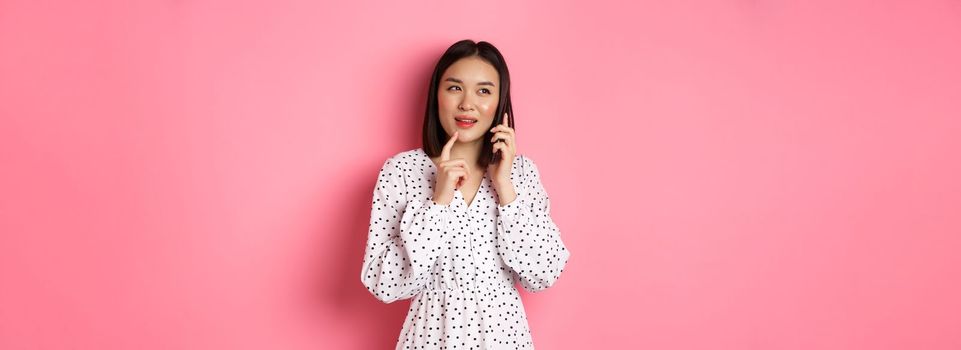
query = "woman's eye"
x=454 y=87
x=485 y=91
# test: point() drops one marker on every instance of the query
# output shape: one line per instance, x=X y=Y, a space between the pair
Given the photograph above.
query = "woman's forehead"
x=471 y=70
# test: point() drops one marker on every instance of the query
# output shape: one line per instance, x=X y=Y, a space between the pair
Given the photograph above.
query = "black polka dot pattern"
x=459 y=263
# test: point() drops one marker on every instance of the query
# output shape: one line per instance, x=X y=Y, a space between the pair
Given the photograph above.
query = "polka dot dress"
x=459 y=263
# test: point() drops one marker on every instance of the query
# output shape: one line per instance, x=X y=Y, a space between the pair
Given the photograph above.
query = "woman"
x=455 y=224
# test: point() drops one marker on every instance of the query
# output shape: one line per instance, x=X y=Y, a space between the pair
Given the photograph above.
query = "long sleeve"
x=404 y=241
x=528 y=240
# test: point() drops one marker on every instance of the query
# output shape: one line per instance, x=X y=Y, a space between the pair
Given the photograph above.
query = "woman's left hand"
x=501 y=171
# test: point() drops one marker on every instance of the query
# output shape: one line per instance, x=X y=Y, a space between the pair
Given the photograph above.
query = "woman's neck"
x=469 y=151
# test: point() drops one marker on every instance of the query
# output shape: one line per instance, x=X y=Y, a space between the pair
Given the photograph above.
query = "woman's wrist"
x=505 y=192
x=442 y=198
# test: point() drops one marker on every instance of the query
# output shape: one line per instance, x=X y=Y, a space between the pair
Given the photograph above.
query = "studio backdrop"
x=734 y=174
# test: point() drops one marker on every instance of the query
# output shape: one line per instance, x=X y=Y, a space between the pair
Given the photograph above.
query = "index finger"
x=445 y=153
x=505 y=122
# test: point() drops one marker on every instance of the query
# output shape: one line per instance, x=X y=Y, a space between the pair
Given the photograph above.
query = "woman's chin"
x=466 y=138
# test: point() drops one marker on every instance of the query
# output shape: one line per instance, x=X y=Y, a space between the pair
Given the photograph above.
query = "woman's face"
x=468 y=90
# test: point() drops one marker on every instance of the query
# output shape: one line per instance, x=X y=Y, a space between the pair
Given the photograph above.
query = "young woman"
x=457 y=223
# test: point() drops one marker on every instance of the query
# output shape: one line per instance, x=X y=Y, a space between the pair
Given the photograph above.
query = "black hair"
x=434 y=136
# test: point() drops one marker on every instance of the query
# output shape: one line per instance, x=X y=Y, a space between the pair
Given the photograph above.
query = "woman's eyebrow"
x=461 y=82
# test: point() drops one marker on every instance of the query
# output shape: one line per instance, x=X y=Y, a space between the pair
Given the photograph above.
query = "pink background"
x=727 y=174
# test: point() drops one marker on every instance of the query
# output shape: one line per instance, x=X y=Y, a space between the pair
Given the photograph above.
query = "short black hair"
x=434 y=136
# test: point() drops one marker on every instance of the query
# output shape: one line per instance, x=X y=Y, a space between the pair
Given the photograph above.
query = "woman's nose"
x=465 y=105
x=466 y=102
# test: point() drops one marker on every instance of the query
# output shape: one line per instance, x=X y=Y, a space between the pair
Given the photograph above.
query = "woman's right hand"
x=452 y=174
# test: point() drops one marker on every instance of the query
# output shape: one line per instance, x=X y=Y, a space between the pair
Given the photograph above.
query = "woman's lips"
x=465 y=122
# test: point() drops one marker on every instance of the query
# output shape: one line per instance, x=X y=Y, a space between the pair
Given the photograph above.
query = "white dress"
x=460 y=263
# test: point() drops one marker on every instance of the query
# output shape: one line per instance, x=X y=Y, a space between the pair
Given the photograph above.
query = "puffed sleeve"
x=528 y=240
x=404 y=240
